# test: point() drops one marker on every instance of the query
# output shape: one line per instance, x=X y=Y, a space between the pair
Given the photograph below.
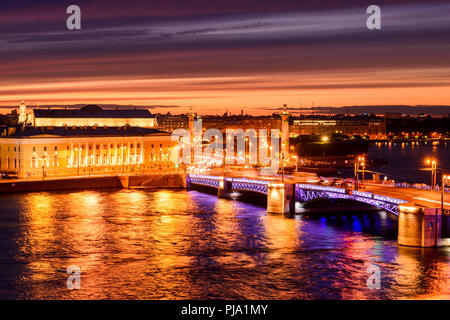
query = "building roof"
x=92 y=111
x=36 y=132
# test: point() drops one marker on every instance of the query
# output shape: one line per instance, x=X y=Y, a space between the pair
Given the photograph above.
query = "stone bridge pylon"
x=418 y=227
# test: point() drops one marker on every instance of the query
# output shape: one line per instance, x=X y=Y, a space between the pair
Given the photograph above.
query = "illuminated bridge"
x=234 y=184
x=303 y=193
x=421 y=223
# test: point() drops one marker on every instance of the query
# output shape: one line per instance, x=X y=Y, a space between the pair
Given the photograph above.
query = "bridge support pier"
x=224 y=186
x=419 y=227
x=280 y=198
x=124 y=181
x=187 y=181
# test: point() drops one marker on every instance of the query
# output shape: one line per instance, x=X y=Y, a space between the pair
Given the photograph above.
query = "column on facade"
x=79 y=155
x=108 y=154
x=100 y=158
x=122 y=154
x=128 y=152
x=142 y=152
x=80 y=152
x=86 y=161
x=122 y=157
x=94 y=154
x=135 y=152
x=115 y=162
x=71 y=154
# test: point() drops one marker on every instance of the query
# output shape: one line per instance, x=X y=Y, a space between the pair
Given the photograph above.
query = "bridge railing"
x=320 y=188
x=200 y=176
x=351 y=193
x=244 y=184
x=308 y=192
x=212 y=181
x=245 y=180
x=419 y=186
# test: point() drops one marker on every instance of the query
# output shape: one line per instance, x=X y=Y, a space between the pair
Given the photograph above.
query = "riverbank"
x=93 y=182
x=76 y=183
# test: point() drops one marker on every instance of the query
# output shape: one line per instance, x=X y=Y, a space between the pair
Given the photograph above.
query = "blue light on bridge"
x=320 y=188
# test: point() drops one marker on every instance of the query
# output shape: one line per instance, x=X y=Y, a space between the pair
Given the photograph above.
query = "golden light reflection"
x=363 y=254
x=282 y=234
x=162 y=244
x=431 y=278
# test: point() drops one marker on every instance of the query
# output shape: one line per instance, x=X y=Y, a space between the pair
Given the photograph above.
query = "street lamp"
x=445 y=181
x=433 y=164
x=291 y=156
x=90 y=162
x=78 y=160
x=123 y=157
x=282 y=162
x=363 y=164
x=43 y=168
x=358 y=161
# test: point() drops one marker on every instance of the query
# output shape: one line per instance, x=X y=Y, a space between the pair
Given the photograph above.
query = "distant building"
x=33 y=152
x=92 y=115
x=23 y=116
x=262 y=122
x=392 y=115
x=328 y=126
x=170 y=122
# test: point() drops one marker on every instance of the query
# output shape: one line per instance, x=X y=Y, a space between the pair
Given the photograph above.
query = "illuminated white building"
x=31 y=152
x=93 y=116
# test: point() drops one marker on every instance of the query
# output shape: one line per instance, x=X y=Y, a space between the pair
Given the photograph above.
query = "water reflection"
x=177 y=244
x=404 y=163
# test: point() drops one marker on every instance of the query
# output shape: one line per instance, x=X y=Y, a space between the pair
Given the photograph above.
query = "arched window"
x=56 y=161
x=34 y=161
x=45 y=161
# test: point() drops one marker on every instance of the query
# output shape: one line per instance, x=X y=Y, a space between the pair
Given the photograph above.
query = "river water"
x=178 y=244
x=406 y=161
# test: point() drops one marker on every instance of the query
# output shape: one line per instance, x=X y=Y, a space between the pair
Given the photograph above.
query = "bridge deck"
x=423 y=198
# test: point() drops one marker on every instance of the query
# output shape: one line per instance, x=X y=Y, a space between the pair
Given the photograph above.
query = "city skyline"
x=222 y=57
x=378 y=110
x=216 y=156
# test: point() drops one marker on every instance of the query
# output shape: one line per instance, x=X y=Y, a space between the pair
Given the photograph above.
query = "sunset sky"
x=218 y=55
